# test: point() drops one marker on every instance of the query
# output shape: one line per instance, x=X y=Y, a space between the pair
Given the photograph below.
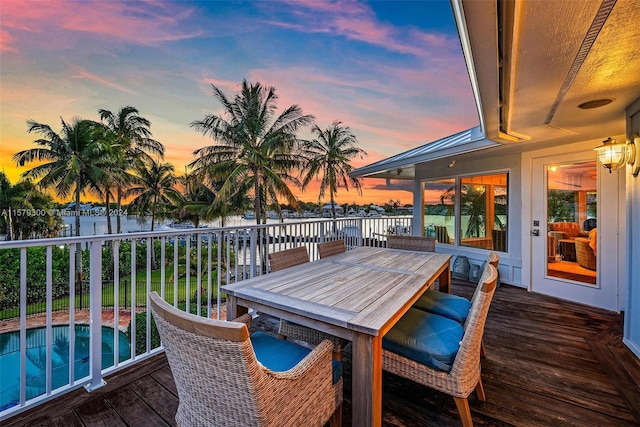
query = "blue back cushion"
x=443 y=304
x=425 y=338
x=280 y=355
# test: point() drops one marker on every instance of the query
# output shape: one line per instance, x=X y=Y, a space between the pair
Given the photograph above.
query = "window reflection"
x=480 y=203
x=572 y=221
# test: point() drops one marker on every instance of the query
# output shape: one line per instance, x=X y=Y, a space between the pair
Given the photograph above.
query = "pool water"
x=36 y=359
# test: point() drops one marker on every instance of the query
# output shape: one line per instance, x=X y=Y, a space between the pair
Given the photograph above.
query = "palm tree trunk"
x=119 y=209
x=107 y=202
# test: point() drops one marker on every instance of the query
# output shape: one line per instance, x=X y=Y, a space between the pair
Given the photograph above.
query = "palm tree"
x=199 y=203
x=329 y=155
x=131 y=141
x=154 y=191
x=253 y=148
x=23 y=195
x=70 y=161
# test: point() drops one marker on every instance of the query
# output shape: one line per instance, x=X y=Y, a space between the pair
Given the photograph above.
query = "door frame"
x=611 y=220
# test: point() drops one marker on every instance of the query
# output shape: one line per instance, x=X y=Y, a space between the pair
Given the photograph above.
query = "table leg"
x=367 y=381
x=233 y=310
x=444 y=280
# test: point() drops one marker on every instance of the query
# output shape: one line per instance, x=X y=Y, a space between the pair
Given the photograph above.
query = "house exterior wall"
x=481 y=162
x=632 y=310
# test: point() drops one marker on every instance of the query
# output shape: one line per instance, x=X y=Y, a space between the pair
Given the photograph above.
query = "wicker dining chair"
x=289 y=258
x=454 y=306
x=332 y=247
x=440 y=353
x=411 y=243
x=226 y=377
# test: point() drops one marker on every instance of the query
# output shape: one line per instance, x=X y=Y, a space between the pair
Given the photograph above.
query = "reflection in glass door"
x=572 y=222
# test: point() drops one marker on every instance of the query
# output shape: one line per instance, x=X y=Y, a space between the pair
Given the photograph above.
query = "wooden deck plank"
x=99 y=413
x=134 y=410
x=549 y=362
x=161 y=400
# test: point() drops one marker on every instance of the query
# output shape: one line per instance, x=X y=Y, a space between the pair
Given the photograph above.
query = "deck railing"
x=73 y=309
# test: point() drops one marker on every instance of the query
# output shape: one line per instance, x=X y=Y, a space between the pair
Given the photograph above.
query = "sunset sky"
x=393 y=71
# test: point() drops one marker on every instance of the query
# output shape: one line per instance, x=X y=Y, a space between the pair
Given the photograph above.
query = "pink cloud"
x=80 y=73
x=357 y=21
x=6 y=42
x=146 y=23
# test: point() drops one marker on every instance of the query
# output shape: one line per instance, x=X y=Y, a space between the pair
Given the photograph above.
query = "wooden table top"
x=361 y=290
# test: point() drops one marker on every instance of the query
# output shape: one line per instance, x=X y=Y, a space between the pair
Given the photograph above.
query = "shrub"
x=141 y=333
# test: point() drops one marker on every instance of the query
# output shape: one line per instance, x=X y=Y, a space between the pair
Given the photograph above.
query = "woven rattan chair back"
x=412 y=243
x=220 y=381
x=288 y=258
x=333 y=247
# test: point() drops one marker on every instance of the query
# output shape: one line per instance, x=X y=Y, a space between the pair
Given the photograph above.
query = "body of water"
x=95 y=225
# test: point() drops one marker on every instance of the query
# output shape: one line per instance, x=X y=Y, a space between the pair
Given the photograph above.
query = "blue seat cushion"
x=444 y=304
x=280 y=355
x=425 y=338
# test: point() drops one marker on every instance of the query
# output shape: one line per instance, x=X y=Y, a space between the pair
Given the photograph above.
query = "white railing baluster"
x=95 y=314
x=72 y=313
x=134 y=284
x=23 y=326
x=150 y=254
x=116 y=301
x=48 y=327
x=198 y=274
x=163 y=256
x=187 y=267
x=176 y=267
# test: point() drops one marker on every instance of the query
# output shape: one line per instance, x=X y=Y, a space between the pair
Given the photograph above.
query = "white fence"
x=47 y=348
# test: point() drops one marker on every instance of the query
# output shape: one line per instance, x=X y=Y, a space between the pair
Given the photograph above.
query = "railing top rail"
x=59 y=241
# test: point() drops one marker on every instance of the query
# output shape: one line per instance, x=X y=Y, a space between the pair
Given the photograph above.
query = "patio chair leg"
x=480 y=391
x=463 y=409
x=336 y=418
x=337 y=352
x=282 y=337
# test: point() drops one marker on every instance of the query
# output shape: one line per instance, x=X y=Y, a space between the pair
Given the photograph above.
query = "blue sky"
x=391 y=70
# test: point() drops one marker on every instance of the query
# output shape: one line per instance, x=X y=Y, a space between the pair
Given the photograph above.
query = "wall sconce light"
x=633 y=154
x=611 y=154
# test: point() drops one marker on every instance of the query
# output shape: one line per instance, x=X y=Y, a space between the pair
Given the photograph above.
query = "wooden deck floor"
x=549 y=363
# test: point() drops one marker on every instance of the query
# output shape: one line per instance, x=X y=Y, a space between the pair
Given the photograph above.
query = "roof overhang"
x=402 y=166
x=533 y=63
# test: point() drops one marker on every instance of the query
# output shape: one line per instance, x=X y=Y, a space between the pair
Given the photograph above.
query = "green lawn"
x=124 y=290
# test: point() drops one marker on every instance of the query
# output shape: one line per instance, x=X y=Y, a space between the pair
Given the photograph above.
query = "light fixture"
x=596 y=103
x=633 y=154
x=611 y=154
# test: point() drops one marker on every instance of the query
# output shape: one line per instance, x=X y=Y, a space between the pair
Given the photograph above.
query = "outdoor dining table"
x=357 y=295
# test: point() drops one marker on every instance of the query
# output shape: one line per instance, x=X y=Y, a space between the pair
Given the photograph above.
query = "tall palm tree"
x=70 y=161
x=131 y=141
x=155 y=192
x=329 y=155
x=254 y=148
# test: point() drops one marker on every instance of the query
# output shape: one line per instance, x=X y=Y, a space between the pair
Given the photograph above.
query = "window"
x=468 y=211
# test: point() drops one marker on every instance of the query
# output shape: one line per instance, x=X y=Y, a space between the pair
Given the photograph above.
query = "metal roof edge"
x=462 y=142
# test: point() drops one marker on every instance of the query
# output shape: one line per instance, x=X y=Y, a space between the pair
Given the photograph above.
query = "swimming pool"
x=36 y=359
